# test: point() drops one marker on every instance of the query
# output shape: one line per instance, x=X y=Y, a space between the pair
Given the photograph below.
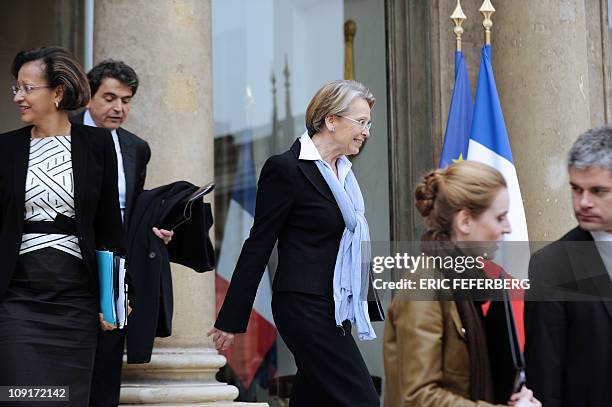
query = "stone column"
x=168 y=43
x=551 y=60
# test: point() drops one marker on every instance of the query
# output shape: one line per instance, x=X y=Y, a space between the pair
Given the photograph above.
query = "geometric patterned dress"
x=49 y=191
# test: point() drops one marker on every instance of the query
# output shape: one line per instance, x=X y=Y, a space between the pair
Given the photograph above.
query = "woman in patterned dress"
x=58 y=203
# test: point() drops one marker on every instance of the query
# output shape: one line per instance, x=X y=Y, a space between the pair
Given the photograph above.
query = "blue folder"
x=107 y=283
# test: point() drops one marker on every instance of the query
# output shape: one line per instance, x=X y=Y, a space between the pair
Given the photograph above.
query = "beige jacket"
x=426 y=356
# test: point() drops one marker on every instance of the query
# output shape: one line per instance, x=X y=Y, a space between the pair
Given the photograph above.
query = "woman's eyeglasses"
x=364 y=125
x=26 y=89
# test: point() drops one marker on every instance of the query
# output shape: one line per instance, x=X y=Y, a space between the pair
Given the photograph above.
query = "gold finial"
x=487 y=11
x=273 y=80
x=458 y=17
x=286 y=71
x=350 y=28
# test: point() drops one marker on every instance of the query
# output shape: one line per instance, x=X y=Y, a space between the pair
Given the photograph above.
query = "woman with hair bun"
x=435 y=352
x=58 y=203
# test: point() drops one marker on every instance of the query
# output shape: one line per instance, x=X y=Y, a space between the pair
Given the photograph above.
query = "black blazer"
x=98 y=220
x=296 y=207
x=568 y=346
x=136 y=154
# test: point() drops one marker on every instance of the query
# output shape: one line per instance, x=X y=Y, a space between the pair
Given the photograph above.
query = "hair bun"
x=425 y=193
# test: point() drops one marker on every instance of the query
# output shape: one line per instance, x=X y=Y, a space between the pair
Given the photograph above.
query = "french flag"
x=250 y=349
x=489 y=144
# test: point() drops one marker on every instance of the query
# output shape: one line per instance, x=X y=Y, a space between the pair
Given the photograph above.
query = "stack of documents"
x=113 y=288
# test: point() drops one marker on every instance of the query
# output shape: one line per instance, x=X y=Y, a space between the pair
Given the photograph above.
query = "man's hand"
x=222 y=340
x=163 y=234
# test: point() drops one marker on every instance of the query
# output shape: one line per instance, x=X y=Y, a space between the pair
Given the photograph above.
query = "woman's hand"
x=163 y=234
x=106 y=326
x=223 y=340
x=524 y=398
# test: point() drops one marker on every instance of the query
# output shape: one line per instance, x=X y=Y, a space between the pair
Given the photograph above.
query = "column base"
x=220 y=404
x=179 y=377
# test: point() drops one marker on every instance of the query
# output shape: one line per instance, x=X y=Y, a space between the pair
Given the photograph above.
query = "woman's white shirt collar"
x=309 y=152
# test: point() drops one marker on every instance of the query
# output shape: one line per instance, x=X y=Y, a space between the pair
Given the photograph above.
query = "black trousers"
x=331 y=371
x=106 y=378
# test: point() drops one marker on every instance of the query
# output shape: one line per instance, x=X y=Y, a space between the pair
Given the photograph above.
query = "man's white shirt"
x=603 y=241
x=88 y=121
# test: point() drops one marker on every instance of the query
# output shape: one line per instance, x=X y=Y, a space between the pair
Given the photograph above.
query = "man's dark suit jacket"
x=136 y=155
x=296 y=207
x=568 y=344
x=98 y=220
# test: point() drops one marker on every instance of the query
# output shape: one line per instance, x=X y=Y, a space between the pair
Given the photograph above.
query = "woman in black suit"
x=58 y=203
x=308 y=199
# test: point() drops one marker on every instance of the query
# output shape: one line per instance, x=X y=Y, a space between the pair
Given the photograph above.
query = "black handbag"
x=507 y=360
x=375 y=308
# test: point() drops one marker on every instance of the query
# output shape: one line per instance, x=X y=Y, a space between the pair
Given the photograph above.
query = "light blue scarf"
x=353 y=261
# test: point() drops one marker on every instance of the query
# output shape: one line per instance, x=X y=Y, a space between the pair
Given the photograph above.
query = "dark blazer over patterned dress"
x=49 y=297
x=98 y=220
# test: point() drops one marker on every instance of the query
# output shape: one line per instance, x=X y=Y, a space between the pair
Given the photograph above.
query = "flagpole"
x=487 y=11
x=458 y=17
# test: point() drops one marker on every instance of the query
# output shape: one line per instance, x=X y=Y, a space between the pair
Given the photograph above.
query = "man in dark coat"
x=149 y=264
x=113 y=84
x=568 y=312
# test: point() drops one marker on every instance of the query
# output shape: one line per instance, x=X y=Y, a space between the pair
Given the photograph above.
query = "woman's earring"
x=57 y=105
x=333 y=129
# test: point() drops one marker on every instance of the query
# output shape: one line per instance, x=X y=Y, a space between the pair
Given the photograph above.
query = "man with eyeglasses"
x=113 y=84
